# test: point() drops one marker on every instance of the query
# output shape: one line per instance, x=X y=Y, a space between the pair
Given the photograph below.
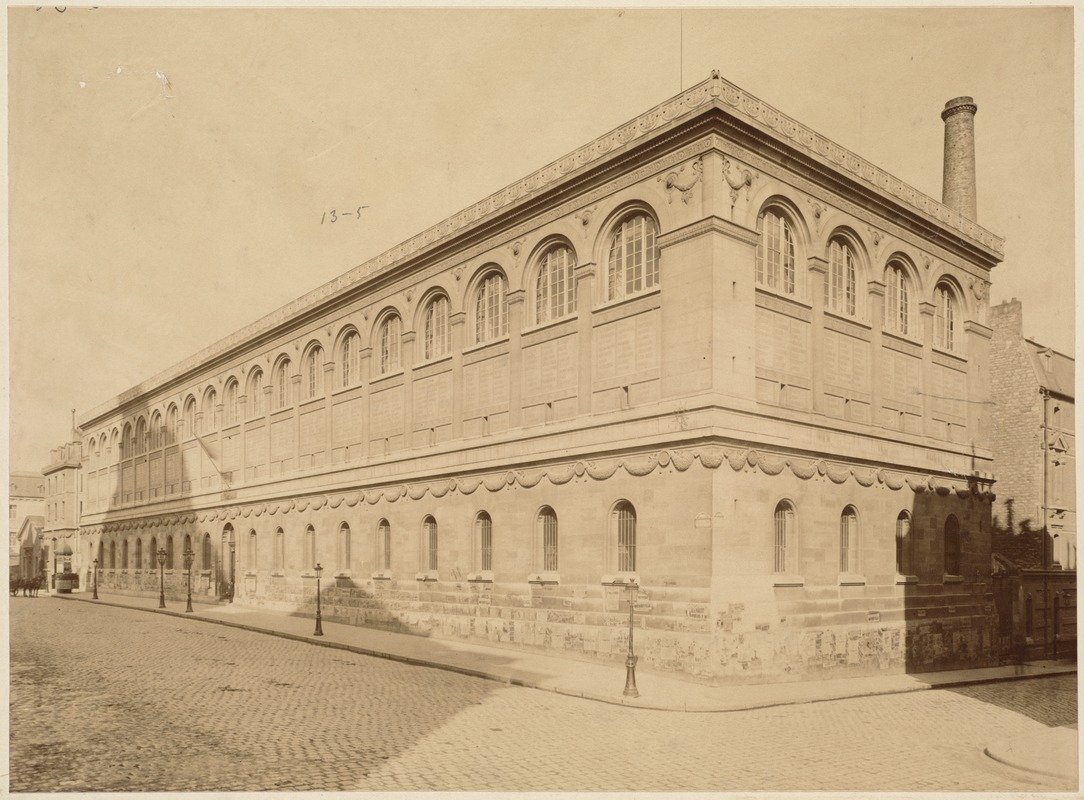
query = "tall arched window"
x=169 y=552
x=138 y=553
x=255 y=393
x=140 y=437
x=491 y=309
x=952 y=546
x=210 y=411
x=384 y=534
x=555 y=287
x=173 y=427
x=124 y=554
x=207 y=560
x=348 y=358
x=547 y=528
x=624 y=521
x=848 y=540
x=632 y=264
x=127 y=448
x=904 y=545
x=483 y=529
x=784 y=538
x=230 y=407
x=897 y=299
x=435 y=328
x=190 y=417
x=250 y=561
x=156 y=431
x=945 y=313
x=310 y=548
x=391 y=331
x=187 y=545
x=314 y=373
x=282 y=384
x=776 y=253
x=429 y=536
x=152 y=556
x=112 y=555
x=342 y=554
x=279 y=551
x=841 y=288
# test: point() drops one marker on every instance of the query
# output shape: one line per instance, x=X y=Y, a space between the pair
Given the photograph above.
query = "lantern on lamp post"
x=161 y=577
x=189 y=557
x=319 y=627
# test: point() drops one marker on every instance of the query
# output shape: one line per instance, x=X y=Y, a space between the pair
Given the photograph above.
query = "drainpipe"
x=1046 y=561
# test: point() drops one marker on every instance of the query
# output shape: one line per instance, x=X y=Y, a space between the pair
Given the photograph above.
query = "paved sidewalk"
x=594 y=681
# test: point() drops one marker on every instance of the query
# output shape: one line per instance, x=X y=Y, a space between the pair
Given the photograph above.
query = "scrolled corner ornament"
x=671 y=182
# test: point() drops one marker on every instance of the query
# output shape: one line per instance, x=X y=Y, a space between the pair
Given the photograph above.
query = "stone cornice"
x=715 y=92
x=710 y=224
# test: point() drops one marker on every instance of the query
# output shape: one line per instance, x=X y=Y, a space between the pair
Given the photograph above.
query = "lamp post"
x=95 y=579
x=233 y=566
x=630 y=661
x=189 y=557
x=319 y=627
x=53 y=580
x=161 y=577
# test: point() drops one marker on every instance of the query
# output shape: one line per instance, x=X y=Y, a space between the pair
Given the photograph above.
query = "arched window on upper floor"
x=632 y=263
x=138 y=553
x=282 y=384
x=190 y=417
x=555 y=286
x=897 y=299
x=483 y=528
x=342 y=552
x=436 y=336
x=279 y=552
x=946 y=317
x=391 y=332
x=156 y=431
x=491 y=308
x=207 y=556
x=348 y=359
x=547 y=532
x=173 y=426
x=127 y=445
x=430 y=541
x=384 y=540
x=230 y=408
x=776 y=252
x=254 y=393
x=314 y=373
x=210 y=412
x=310 y=549
x=140 y=437
x=841 y=285
x=623 y=521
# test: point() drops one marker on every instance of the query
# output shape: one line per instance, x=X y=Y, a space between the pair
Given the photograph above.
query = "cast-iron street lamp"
x=54 y=562
x=630 y=661
x=161 y=577
x=233 y=567
x=189 y=556
x=95 y=580
x=319 y=627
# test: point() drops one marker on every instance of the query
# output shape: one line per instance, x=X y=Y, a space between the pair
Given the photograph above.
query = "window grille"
x=316 y=368
x=430 y=534
x=344 y=547
x=784 y=532
x=848 y=540
x=283 y=383
x=169 y=552
x=945 y=317
x=626 y=537
x=280 y=551
x=385 y=538
x=152 y=556
x=349 y=355
x=310 y=548
x=898 y=300
x=485 y=540
x=112 y=555
x=548 y=521
x=139 y=554
x=904 y=544
x=255 y=392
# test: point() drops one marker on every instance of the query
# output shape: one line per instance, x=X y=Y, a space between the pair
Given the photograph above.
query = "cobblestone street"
x=107 y=699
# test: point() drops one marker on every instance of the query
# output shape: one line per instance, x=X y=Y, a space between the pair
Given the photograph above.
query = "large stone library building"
x=711 y=352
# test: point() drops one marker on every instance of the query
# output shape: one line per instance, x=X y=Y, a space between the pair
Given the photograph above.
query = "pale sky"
x=168 y=169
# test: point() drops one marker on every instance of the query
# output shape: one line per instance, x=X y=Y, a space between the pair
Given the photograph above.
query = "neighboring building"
x=1035 y=464
x=711 y=352
x=26 y=498
x=63 y=500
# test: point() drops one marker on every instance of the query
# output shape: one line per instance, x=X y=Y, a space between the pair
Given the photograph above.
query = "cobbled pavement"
x=112 y=699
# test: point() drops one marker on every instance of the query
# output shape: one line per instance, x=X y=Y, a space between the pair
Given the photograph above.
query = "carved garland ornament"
x=710 y=457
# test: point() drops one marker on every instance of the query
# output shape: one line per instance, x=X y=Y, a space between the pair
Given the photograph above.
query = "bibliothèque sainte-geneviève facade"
x=711 y=351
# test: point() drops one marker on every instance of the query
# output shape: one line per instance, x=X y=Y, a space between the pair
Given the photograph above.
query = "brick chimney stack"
x=1007 y=318
x=958 y=189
